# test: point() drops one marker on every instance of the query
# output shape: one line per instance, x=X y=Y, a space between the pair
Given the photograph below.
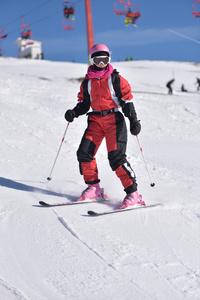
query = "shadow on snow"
x=11 y=184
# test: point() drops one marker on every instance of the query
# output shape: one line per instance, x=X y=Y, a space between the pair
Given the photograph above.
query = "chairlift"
x=3 y=36
x=120 y=4
x=68 y=10
x=132 y=10
x=25 y=30
x=196 y=13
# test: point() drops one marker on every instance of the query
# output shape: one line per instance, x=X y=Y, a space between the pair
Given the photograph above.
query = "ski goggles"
x=97 y=60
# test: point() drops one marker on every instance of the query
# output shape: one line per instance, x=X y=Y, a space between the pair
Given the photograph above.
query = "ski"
x=95 y=214
x=45 y=204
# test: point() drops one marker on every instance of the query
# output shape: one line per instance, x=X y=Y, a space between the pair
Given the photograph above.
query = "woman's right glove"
x=135 y=126
x=70 y=115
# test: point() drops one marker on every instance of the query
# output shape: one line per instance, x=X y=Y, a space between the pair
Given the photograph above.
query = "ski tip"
x=92 y=213
x=43 y=203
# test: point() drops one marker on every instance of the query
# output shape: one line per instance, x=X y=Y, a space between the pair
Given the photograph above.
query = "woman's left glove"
x=135 y=126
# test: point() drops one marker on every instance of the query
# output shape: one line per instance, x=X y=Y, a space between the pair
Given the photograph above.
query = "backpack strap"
x=86 y=94
x=116 y=86
x=127 y=108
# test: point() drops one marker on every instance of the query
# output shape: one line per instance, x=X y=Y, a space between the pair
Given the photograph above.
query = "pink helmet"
x=99 y=48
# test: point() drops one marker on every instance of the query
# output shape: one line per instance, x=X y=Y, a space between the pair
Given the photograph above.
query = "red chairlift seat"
x=26 y=34
x=1 y=34
x=195 y=13
x=68 y=24
x=133 y=14
x=120 y=4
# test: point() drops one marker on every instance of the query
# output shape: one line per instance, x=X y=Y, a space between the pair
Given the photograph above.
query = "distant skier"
x=69 y=12
x=104 y=90
x=198 y=84
x=183 y=88
x=168 y=85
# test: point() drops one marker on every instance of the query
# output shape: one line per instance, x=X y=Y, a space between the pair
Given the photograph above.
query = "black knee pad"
x=86 y=150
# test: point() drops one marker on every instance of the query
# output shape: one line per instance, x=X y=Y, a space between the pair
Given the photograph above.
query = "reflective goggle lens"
x=97 y=60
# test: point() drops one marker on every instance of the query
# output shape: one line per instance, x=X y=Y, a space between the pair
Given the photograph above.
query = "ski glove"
x=135 y=126
x=70 y=115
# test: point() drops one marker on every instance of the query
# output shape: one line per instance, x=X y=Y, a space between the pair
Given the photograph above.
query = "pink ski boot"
x=93 y=191
x=132 y=199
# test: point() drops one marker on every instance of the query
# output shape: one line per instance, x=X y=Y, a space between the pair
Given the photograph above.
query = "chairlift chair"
x=120 y=4
x=135 y=13
x=68 y=10
x=196 y=13
x=3 y=36
x=25 y=30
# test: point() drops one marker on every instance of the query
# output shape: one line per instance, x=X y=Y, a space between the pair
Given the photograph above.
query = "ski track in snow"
x=10 y=292
x=59 y=253
x=73 y=233
x=64 y=223
x=184 y=277
x=160 y=269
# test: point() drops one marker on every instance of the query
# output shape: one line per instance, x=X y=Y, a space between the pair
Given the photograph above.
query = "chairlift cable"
x=28 y=13
x=17 y=30
x=184 y=36
x=19 y=18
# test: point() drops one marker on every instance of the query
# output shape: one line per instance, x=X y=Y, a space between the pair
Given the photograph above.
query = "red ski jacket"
x=102 y=93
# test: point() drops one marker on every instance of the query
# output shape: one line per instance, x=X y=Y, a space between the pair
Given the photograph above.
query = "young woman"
x=105 y=91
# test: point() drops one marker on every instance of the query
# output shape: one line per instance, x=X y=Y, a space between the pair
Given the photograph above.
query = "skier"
x=183 y=88
x=198 y=84
x=104 y=90
x=131 y=17
x=26 y=34
x=168 y=85
x=69 y=12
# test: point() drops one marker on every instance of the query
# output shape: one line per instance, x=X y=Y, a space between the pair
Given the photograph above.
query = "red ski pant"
x=113 y=128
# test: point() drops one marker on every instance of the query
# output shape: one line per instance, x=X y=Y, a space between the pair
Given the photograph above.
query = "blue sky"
x=166 y=30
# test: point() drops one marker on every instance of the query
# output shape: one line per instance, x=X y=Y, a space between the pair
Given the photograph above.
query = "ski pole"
x=49 y=178
x=152 y=183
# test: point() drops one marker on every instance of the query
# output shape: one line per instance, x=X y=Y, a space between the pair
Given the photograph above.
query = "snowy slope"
x=60 y=253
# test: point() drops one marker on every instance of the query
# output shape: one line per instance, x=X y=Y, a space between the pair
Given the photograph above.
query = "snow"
x=60 y=252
